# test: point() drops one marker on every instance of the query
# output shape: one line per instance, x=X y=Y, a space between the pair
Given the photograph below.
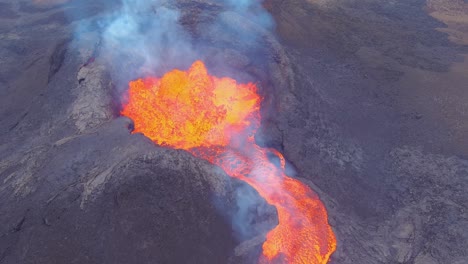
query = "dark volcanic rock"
x=366 y=99
x=145 y=214
x=112 y=197
x=76 y=186
x=374 y=126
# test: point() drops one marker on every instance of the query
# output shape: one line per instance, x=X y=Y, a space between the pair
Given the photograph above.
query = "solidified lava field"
x=360 y=103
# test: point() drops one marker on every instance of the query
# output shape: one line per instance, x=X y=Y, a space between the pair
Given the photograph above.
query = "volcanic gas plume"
x=216 y=119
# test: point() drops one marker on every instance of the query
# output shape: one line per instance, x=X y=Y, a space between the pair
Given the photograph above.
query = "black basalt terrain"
x=367 y=100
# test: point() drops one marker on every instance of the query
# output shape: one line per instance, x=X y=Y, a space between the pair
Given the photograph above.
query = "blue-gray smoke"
x=146 y=37
x=253 y=10
x=142 y=37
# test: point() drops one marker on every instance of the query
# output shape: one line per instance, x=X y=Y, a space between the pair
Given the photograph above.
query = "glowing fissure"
x=216 y=119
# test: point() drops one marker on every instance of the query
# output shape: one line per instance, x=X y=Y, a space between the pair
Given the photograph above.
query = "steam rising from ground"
x=147 y=34
x=142 y=37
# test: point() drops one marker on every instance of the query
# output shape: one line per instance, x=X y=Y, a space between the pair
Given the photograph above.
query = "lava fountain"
x=216 y=119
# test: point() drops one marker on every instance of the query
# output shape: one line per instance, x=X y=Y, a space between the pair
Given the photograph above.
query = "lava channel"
x=216 y=119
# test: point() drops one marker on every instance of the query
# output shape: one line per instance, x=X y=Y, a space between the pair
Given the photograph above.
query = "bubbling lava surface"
x=216 y=119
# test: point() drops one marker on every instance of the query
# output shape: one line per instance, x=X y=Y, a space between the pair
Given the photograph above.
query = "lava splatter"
x=216 y=119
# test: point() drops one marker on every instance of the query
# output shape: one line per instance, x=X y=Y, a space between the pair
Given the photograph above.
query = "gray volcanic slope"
x=367 y=99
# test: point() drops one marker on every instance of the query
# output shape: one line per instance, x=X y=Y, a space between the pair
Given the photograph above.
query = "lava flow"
x=216 y=119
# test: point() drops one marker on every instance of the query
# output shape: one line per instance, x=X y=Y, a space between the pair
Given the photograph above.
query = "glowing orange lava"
x=216 y=119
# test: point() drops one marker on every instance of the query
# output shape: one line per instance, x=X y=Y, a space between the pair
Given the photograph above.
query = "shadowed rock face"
x=76 y=186
x=66 y=202
x=366 y=99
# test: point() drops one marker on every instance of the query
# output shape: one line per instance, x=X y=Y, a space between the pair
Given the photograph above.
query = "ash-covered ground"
x=367 y=99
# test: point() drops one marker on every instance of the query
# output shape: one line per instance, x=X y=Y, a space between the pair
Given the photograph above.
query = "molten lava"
x=216 y=119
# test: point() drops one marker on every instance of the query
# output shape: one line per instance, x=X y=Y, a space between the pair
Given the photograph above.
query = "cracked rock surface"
x=365 y=98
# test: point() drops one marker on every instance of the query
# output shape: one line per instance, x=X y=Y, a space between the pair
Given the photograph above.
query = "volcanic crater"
x=352 y=96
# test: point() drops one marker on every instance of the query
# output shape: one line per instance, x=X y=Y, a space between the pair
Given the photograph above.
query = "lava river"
x=216 y=119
